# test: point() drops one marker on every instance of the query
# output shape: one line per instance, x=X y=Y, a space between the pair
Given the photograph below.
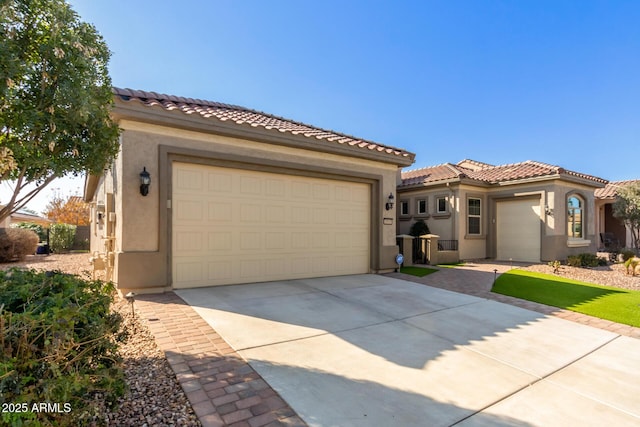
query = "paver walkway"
x=225 y=391
x=222 y=388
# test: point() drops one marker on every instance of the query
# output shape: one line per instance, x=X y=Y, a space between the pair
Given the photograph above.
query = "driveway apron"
x=376 y=350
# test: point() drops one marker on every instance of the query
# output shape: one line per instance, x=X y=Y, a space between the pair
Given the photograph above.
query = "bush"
x=17 y=243
x=37 y=228
x=585 y=260
x=61 y=237
x=59 y=345
x=627 y=255
x=419 y=228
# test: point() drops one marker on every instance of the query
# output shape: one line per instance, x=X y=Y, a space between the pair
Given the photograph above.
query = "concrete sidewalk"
x=374 y=350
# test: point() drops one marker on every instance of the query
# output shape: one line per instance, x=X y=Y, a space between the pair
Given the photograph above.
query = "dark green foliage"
x=627 y=209
x=627 y=254
x=419 y=228
x=61 y=237
x=16 y=243
x=55 y=97
x=585 y=260
x=36 y=228
x=59 y=343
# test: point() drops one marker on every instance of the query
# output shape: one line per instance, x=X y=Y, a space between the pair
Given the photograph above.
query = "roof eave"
x=429 y=184
x=551 y=177
x=90 y=186
x=136 y=111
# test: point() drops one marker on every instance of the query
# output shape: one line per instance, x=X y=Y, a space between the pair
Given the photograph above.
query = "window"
x=441 y=205
x=404 y=207
x=422 y=207
x=473 y=216
x=575 y=213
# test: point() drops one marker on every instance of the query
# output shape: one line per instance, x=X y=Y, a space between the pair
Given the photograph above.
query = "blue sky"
x=495 y=81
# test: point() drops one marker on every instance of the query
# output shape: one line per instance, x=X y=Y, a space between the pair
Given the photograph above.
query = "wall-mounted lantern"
x=389 y=205
x=548 y=210
x=145 y=181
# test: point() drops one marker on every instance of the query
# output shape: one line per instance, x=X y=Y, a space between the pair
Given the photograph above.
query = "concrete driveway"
x=371 y=350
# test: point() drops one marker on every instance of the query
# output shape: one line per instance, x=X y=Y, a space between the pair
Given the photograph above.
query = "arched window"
x=575 y=217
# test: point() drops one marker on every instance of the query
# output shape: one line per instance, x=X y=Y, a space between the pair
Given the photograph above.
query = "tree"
x=419 y=228
x=71 y=211
x=627 y=209
x=55 y=97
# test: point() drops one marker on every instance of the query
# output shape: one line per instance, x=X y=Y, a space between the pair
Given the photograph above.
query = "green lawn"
x=417 y=271
x=615 y=304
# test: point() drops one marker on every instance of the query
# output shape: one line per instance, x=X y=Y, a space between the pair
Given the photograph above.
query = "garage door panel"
x=219 y=271
x=189 y=210
x=220 y=241
x=245 y=226
x=189 y=180
x=189 y=241
x=300 y=190
x=518 y=230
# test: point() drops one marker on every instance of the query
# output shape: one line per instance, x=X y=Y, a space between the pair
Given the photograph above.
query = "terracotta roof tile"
x=610 y=190
x=489 y=174
x=441 y=172
x=241 y=115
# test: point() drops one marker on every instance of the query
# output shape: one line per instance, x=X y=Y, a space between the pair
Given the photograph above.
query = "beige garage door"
x=518 y=230
x=241 y=226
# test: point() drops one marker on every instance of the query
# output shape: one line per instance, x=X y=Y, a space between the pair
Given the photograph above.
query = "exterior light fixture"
x=131 y=298
x=389 y=205
x=145 y=181
x=548 y=210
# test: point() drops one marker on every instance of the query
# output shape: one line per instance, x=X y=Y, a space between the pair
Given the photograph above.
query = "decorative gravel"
x=154 y=398
x=610 y=275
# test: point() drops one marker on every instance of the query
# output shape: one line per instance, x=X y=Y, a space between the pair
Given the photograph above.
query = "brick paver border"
x=221 y=386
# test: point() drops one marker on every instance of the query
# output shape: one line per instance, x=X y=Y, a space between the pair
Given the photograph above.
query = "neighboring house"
x=527 y=211
x=23 y=216
x=238 y=196
x=605 y=197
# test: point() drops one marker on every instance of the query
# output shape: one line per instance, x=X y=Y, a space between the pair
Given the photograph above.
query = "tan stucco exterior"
x=552 y=196
x=154 y=139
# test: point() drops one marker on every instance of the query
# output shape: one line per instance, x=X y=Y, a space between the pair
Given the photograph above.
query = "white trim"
x=426 y=207
x=446 y=210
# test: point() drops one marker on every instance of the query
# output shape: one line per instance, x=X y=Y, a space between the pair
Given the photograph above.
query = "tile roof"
x=610 y=190
x=245 y=116
x=485 y=173
x=443 y=172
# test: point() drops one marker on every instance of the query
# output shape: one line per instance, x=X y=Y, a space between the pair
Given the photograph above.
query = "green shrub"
x=555 y=265
x=419 y=228
x=61 y=237
x=16 y=243
x=59 y=345
x=585 y=260
x=627 y=255
x=37 y=228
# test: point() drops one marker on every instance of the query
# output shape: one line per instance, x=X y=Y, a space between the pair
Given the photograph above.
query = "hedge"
x=59 y=343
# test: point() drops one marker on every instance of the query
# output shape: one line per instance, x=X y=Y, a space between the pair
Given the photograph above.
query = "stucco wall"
x=552 y=194
x=142 y=227
x=444 y=225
